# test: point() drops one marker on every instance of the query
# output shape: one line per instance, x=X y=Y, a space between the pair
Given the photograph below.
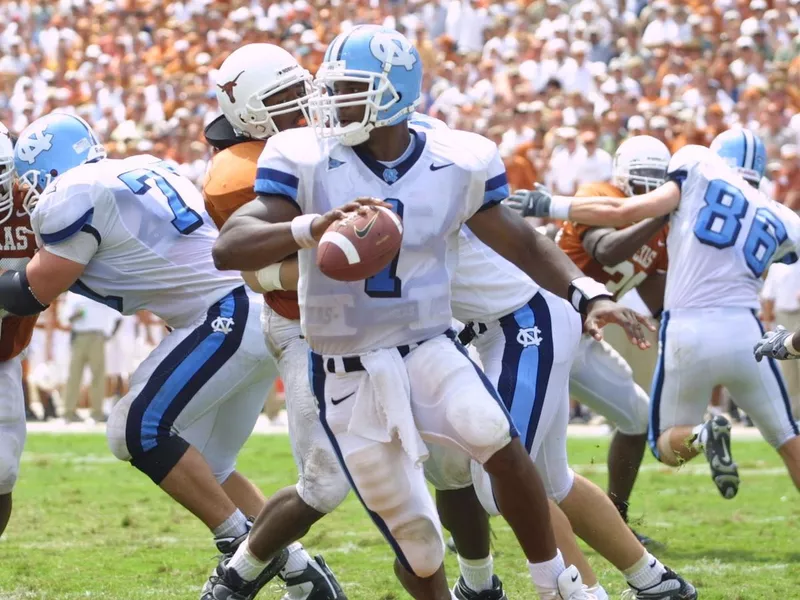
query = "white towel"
x=383 y=407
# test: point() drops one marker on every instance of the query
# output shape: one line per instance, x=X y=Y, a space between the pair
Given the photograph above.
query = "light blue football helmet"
x=51 y=146
x=383 y=59
x=744 y=151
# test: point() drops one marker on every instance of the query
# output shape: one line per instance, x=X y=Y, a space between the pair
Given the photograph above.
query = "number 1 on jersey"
x=387 y=284
x=186 y=219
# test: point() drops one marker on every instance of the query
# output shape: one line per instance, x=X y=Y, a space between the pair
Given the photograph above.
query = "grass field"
x=86 y=526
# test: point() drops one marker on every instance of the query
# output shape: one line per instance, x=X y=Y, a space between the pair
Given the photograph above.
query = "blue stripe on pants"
x=183 y=372
x=781 y=384
x=658 y=384
x=316 y=374
x=526 y=365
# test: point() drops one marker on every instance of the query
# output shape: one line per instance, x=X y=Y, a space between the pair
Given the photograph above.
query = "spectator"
x=595 y=163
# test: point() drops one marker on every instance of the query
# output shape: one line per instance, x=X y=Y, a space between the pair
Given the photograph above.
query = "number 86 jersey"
x=142 y=232
x=723 y=236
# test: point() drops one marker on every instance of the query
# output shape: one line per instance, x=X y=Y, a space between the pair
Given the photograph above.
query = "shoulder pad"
x=228 y=183
x=687 y=157
x=602 y=188
x=299 y=146
x=468 y=150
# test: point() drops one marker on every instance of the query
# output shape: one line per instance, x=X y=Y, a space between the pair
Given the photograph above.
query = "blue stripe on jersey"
x=69 y=230
x=678 y=176
x=495 y=182
x=496 y=190
x=779 y=378
x=526 y=370
x=184 y=371
x=272 y=181
x=658 y=385
x=82 y=289
x=789 y=259
x=316 y=376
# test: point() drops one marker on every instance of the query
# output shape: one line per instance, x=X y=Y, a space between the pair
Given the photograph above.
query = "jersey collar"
x=390 y=175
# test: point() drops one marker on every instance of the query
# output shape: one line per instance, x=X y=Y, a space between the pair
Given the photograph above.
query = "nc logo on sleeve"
x=393 y=49
x=33 y=145
x=222 y=325
x=530 y=336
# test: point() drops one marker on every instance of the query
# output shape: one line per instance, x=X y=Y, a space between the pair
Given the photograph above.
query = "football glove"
x=773 y=345
x=531 y=203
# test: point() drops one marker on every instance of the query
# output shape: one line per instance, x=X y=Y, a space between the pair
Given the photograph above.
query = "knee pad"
x=638 y=413
x=482 y=425
x=447 y=469
x=9 y=465
x=115 y=430
x=483 y=489
x=559 y=487
x=321 y=483
x=382 y=489
x=421 y=542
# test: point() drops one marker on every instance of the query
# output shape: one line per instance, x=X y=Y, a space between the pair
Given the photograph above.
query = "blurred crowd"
x=558 y=84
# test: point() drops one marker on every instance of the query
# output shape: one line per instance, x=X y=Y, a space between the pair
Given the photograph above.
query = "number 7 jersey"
x=143 y=233
x=723 y=236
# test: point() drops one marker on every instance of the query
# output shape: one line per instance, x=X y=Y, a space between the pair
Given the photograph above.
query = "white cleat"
x=570 y=587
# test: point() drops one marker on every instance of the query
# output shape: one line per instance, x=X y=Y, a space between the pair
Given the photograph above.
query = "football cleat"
x=646 y=540
x=227 y=545
x=671 y=587
x=315 y=582
x=226 y=584
x=715 y=438
x=463 y=592
x=570 y=587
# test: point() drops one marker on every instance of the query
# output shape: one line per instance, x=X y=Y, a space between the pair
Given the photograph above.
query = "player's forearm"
x=620 y=245
x=544 y=262
x=597 y=211
x=280 y=276
x=248 y=244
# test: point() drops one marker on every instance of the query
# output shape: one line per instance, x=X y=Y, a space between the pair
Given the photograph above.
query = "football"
x=360 y=245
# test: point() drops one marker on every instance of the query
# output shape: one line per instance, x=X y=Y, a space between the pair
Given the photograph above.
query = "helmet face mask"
x=261 y=116
x=7 y=176
x=640 y=165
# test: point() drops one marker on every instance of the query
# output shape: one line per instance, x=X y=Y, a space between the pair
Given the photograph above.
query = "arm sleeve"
x=492 y=188
x=277 y=175
x=68 y=221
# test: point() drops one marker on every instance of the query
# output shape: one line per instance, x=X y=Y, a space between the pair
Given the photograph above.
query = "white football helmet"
x=640 y=165
x=249 y=76
x=7 y=175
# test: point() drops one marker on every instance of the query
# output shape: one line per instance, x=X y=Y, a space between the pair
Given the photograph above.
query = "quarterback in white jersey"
x=373 y=342
x=724 y=234
x=133 y=235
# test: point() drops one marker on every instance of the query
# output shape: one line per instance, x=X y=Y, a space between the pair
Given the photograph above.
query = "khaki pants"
x=791 y=368
x=88 y=348
x=642 y=362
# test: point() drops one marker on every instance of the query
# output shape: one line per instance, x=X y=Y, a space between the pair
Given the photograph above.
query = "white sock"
x=233 y=526
x=598 y=592
x=477 y=573
x=297 y=561
x=545 y=574
x=646 y=572
x=245 y=563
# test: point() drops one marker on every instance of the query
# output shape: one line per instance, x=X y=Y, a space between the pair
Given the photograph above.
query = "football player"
x=635 y=259
x=18 y=247
x=374 y=342
x=133 y=234
x=723 y=236
x=268 y=95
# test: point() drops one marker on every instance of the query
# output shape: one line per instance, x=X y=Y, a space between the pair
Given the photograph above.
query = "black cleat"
x=226 y=584
x=463 y=592
x=647 y=541
x=315 y=582
x=716 y=441
x=671 y=587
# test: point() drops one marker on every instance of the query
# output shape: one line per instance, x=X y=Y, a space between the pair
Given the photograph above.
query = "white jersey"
x=723 y=236
x=143 y=234
x=486 y=286
x=448 y=177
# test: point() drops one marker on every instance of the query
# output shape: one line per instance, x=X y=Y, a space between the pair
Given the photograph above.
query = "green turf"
x=86 y=526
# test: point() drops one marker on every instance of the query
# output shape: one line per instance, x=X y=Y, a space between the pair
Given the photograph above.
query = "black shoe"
x=646 y=541
x=315 y=582
x=30 y=416
x=226 y=584
x=716 y=441
x=671 y=587
x=463 y=592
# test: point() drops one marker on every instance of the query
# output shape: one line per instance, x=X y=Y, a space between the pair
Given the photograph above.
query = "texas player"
x=600 y=377
x=17 y=246
x=263 y=92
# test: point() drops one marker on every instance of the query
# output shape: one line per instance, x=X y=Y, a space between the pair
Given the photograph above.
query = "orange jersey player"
x=263 y=90
x=17 y=247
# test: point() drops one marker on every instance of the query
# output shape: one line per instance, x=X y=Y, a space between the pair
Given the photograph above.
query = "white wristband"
x=269 y=278
x=790 y=346
x=583 y=290
x=559 y=207
x=301 y=231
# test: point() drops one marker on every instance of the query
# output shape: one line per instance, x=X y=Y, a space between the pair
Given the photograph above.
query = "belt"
x=471 y=331
x=353 y=364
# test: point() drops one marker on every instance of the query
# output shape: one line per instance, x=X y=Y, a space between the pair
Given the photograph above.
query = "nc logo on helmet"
x=394 y=49
x=36 y=142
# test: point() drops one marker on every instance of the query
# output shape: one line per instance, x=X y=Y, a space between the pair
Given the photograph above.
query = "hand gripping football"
x=360 y=246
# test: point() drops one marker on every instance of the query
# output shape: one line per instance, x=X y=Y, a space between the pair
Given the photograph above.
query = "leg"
x=73 y=388
x=244 y=493
x=96 y=359
x=12 y=433
x=565 y=538
x=790 y=453
x=463 y=516
x=625 y=456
